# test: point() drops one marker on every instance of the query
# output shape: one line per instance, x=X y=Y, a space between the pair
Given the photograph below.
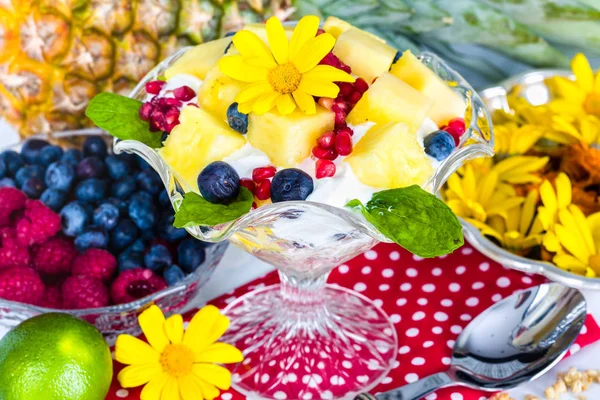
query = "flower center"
x=285 y=78
x=592 y=104
x=177 y=360
x=594 y=262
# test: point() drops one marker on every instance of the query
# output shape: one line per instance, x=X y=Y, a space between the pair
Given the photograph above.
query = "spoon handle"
x=412 y=391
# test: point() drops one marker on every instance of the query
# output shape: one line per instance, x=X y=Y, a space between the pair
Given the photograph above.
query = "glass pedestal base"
x=333 y=348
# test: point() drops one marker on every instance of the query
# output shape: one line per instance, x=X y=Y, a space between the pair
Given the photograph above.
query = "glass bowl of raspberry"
x=87 y=232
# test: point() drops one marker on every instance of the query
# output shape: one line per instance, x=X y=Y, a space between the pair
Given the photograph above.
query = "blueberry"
x=164 y=137
x=173 y=275
x=167 y=231
x=439 y=145
x=13 y=162
x=94 y=237
x=122 y=205
x=164 y=199
x=91 y=190
x=3 y=169
x=29 y=171
x=60 y=176
x=124 y=234
x=237 y=121
x=106 y=216
x=72 y=157
x=190 y=254
x=95 y=146
x=31 y=150
x=53 y=198
x=219 y=183
x=117 y=166
x=33 y=188
x=291 y=184
x=142 y=211
x=75 y=218
x=49 y=154
x=7 y=182
x=142 y=164
x=149 y=181
x=124 y=188
x=138 y=245
x=130 y=259
x=157 y=258
x=90 y=167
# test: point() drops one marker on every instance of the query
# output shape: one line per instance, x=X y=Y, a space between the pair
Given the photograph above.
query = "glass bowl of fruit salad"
x=305 y=147
x=89 y=233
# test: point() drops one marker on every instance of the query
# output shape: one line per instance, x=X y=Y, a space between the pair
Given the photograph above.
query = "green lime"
x=54 y=357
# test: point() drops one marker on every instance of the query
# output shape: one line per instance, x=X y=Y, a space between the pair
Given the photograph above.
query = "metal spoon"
x=514 y=341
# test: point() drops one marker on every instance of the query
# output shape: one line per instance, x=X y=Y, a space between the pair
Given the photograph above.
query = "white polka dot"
x=503 y=282
x=378 y=302
x=466 y=251
x=371 y=255
x=431 y=396
x=264 y=378
x=418 y=361
x=446 y=360
x=122 y=393
x=456 y=329
x=419 y=315
x=472 y=301
x=326 y=395
x=292 y=377
x=484 y=266
x=411 y=272
x=436 y=271
x=412 y=332
x=583 y=330
x=428 y=344
x=440 y=316
x=404 y=350
x=497 y=297
x=362 y=378
x=460 y=269
x=383 y=287
x=366 y=270
x=387 y=273
x=400 y=302
x=346 y=364
x=526 y=280
x=454 y=287
x=575 y=348
x=456 y=396
x=396 y=364
x=227 y=396
x=337 y=380
x=395 y=318
x=450 y=343
x=436 y=329
x=394 y=256
x=465 y=317
x=446 y=303
x=279 y=395
x=387 y=380
x=360 y=287
x=428 y=287
x=405 y=287
x=417 y=258
x=410 y=378
x=343 y=270
x=478 y=285
x=422 y=301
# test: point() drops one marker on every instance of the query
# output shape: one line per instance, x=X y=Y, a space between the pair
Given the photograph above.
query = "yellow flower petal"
x=174 y=328
x=582 y=226
x=170 y=390
x=252 y=91
x=568 y=89
x=189 y=389
x=548 y=196
x=583 y=72
x=568 y=262
x=205 y=328
x=152 y=322
x=487 y=188
x=285 y=104
x=593 y=221
x=528 y=211
x=278 y=41
x=597 y=82
x=137 y=375
x=563 y=190
x=214 y=375
x=572 y=242
x=220 y=353
x=265 y=103
x=153 y=389
x=305 y=101
x=327 y=73
x=246 y=107
x=131 y=350
x=319 y=89
x=551 y=242
x=313 y=52
x=305 y=30
x=455 y=185
x=251 y=46
x=235 y=67
x=469 y=183
x=208 y=391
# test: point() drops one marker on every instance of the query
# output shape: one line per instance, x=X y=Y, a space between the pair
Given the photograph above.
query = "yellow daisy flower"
x=569 y=129
x=520 y=169
x=177 y=364
x=284 y=74
x=511 y=139
x=583 y=94
x=554 y=201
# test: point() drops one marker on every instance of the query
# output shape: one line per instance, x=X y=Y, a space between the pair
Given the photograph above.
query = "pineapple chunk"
x=288 y=139
x=389 y=156
x=218 y=92
x=447 y=103
x=391 y=100
x=197 y=141
x=369 y=58
x=335 y=27
x=199 y=60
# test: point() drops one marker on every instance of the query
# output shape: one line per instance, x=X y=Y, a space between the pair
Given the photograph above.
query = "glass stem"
x=303 y=291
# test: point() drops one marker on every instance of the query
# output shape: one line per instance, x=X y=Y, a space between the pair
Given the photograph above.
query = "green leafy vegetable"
x=195 y=210
x=119 y=116
x=415 y=219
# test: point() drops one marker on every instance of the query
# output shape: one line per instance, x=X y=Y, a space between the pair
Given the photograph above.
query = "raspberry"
x=11 y=200
x=37 y=224
x=84 y=292
x=14 y=256
x=52 y=298
x=134 y=284
x=96 y=263
x=456 y=128
x=54 y=257
x=21 y=284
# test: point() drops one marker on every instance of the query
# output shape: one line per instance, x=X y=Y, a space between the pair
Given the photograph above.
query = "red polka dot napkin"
x=430 y=301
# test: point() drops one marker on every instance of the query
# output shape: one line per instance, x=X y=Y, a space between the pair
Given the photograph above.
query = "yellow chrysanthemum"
x=284 y=74
x=177 y=364
x=568 y=129
x=553 y=202
x=581 y=95
x=580 y=237
x=511 y=139
x=520 y=169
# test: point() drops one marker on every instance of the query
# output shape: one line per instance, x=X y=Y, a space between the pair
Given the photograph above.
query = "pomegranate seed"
x=355 y=97
x=184 y=93
x=154 y=87
x=262 y=173
x=456 y=128
x=330 y=59
x=169 y=127
x=248 y=184
x=324 y=154
x=326 y=140
x=171 y=102
x=343 y=143
x=146 y=110
x=254 y=205
x=340 y=104
x=346 y=129
x=326 y=102
x=157 y=120
x=345 y=89
x=324 y=169
x=263 y=190
x=361 y=85
x=172 y=115
x=346 y=68
x=320 y=31
x=340 y=118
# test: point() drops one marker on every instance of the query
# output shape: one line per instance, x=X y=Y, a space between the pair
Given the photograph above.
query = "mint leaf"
x=414 y=219
x=195 y=210
x=119 y=116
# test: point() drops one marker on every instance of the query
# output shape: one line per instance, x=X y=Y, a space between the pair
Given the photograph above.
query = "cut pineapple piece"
x=218 y=92
x=199 y=60
x=447 y=103
x=336 y=26
x=391 y=100
x=389 y=156
x=197 y=141
x=288 y=139
x=369 y=58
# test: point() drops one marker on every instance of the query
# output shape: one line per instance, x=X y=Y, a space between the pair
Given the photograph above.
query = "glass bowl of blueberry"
x=90 y=233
